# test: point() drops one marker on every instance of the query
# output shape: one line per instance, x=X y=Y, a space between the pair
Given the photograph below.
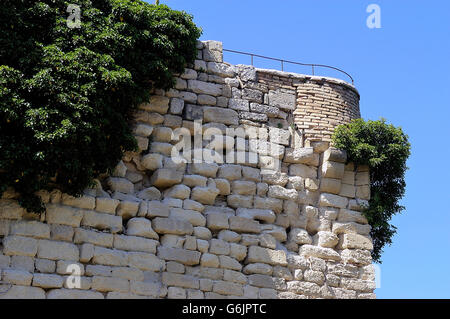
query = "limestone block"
x=274 y=204
x=356 y=256
x=303 y=170
x=30 y=229
x=176 y=293
x=265 y=215
x=179 y=280
x=21 y=246
x=17 y=277
x=230 y=172
x=234 y=276
x=258 y=268
x=163 y=178
x=326 y=239
x=219 y=247
x=347 y=215
x=303 y=155
x=299 y=236
x=22 y=292
x=64 y=215
x=228 y=288
x=102 y=221
x=238 y=251
x=333 y=170
x=133 y=243
x=266 y=255
x=145 y=262
x=157 y=209
x=194 y=180
x=172 y=226
x=143 y=130
x=335 y=155
x=93 y=237
x=86 y=202
x=262 y=281
x=296 y=182
x=331 y=200
x=243 y=187
x=351 y=227
x=109 y=257
x=150 y=289
x=278 y=178
x=106 y=205
x=355 y=241
x=204 y=195
x=179 y=191
x=86 y=252
x=358 y=284
x=44 y=265
x=238 y=105
x=128 y=209
x=319 y=252
x=330 y=185
x=152 y=161
x=347 y=191
x=201 y=87
x=183 y=256
x=228 y=262
x=312 y=184
x=282 y=100
x=267 y=240
x=220 y=115
x=280 y=192
x=229 y=236
x=209 y=260
x=120 y=185
x=314 y=276
x=54 y=250
x=363 y=192
x=192 y=216
x=244 y=225
x=141 y=227
x=223 y=186
x=22 y=263
x=47 y=281
x=10 y=209
x=193 y=205
x=105 y=284
x=204 y=169
x=236 y=201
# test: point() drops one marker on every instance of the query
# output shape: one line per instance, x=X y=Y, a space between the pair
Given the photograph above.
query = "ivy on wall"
x=66 y=93
x=385 y=149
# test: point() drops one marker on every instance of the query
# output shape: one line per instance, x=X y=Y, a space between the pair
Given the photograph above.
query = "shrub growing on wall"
x=385 y=149
x=66 y=93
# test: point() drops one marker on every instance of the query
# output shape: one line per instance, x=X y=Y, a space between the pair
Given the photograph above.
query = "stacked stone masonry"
x=161 y=228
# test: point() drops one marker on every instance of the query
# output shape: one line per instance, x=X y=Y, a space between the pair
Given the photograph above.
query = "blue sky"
x=402 y=72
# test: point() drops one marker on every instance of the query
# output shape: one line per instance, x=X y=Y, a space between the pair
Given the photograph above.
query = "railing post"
x=282 y=66
x=252 y=59
x=312 y=69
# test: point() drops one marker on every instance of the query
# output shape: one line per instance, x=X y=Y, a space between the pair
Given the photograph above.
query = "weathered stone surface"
x=333 y=170
x=244 y=225
x=331 y=200
x=133 y=243
x=201 y=87
x=266 y=255
x=204 y=195
x=355 y=241
x=346 y=215
x=64 y=215
x=319 y=252
x=120 y=185
x=22 y=246
x=220 y=115
x=282 y=100
x=183 y=256
x=22 y=292
x=299 y=236
x=141 y=227
x=54 y=250
x=93 y=237
x=172 y=226
x=102 y=221
x=166 y=177
x=145 y=261
x=192 y=216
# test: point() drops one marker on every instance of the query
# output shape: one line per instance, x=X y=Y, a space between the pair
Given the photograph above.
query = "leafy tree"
x=66 y=94
x=385 y=149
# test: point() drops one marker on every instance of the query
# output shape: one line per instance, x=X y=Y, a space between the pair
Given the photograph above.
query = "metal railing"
x=252 y=55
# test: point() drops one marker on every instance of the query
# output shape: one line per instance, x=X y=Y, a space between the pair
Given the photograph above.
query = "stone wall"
x=283 y=223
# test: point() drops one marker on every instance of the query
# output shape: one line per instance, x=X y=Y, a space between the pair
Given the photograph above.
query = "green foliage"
x=385 y=149
x=66 y=94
